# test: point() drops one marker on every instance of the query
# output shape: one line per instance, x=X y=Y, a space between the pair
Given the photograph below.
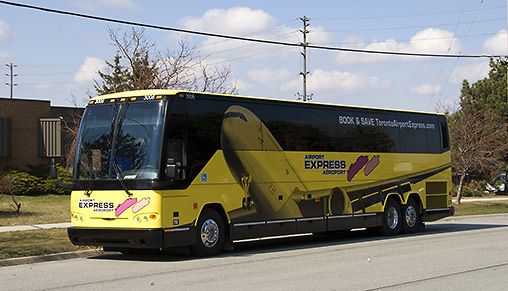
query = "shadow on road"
x=297 y=242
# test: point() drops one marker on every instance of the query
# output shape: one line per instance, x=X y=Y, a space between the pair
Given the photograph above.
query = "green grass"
x=35 y=210
x=35 y=242
x=476 y=208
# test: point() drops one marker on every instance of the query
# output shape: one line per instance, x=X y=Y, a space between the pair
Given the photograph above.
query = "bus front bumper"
x=132 y=238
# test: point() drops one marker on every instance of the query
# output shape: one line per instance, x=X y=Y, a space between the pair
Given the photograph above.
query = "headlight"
x=146 y=217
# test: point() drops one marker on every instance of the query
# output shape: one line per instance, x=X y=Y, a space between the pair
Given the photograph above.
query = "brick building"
x=32 y=132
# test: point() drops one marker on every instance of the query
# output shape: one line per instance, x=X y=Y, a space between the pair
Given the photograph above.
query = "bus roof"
x=136 y=93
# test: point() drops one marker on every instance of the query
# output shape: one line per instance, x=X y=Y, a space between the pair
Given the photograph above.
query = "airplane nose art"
x=238 y=125
x=239 y=128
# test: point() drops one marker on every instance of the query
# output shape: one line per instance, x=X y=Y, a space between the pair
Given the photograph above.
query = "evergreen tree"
x=479 y=129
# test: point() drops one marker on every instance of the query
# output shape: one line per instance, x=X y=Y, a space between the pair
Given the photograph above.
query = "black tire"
x=392 y=219
x=210 y=234
x=412 y=217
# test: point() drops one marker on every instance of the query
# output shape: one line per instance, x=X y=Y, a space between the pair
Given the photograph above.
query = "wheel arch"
x=395 y=196
x=220 y=209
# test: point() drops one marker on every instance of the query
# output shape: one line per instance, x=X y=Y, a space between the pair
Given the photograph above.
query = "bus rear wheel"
x=412 y=219
x=210 y=231
x=392 y=218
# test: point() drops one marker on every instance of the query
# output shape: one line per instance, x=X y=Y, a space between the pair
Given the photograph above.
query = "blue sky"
x=57 y=56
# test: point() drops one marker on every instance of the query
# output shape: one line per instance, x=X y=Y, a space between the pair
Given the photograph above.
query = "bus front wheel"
x=210 y=231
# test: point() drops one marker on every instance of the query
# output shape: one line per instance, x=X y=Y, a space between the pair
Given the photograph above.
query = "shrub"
x=64 y=176
x=475 y=188
x=41 y=171
x=28 y=184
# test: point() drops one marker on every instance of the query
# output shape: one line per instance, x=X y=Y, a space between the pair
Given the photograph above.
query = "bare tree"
x=139 y=64
x=7 y=184
x=479 y=143
x=70 y=128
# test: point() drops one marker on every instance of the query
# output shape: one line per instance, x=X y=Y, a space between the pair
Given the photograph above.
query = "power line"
x=253 y=32
x=456 y=60
x=449 y=48
x=412 y=39
x=417 y=26
x=241 y=38
x=407 y=15
x=283 y=36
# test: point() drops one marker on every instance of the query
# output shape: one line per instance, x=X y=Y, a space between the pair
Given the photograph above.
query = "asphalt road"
x=467 y=253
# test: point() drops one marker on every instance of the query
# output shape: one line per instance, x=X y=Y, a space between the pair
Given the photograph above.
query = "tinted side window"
x=204 y=119
x=357 y=131
x=196 y=122
x=413 y=138
x=445 y=139
x=314 y=127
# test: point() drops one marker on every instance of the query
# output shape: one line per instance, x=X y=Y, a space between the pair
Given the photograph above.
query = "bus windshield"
x=120 y=141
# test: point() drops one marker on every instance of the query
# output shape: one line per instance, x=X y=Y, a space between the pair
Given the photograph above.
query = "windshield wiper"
x=119 y=176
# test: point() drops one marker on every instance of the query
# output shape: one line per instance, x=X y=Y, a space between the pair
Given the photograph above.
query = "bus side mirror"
x=52 y=170
x=171 y=170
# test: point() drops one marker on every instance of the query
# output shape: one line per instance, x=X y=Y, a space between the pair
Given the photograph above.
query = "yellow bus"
x=157 y=169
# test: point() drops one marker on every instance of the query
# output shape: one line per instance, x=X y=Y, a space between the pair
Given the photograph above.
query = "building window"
x=50 y=137
x=5 y=137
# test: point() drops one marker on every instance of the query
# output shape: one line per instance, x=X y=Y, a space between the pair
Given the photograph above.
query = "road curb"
x=452 y=218
x=49 y=257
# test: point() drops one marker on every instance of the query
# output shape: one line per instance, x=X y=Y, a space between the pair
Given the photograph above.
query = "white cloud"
x=5 y=31
x=236 y=20
x=269 y=76
x=3 y=56
x=88 y=70
x=92 y=5
x=53 y=87
x=426 y=89
x=471 y=72
x=497 y=44
x=243 y=86
x=318 y=35
x=119 y=4
x=322 y=81
x=427 y=41
x=239 y=21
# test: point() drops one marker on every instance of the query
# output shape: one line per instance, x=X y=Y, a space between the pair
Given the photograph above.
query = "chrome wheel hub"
x=411 y=216
x=392 y=218
x=209 y=233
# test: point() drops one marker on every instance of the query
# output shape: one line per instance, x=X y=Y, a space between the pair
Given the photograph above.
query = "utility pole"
x=304 y=97
x=11 y=75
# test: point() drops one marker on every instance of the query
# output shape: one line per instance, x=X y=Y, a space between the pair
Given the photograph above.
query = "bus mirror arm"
x=52 y=170
x=53 y=174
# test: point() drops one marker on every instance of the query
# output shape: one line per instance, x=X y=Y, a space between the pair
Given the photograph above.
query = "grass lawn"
x=35 y=210
x=35 y=242
x=483 y=207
